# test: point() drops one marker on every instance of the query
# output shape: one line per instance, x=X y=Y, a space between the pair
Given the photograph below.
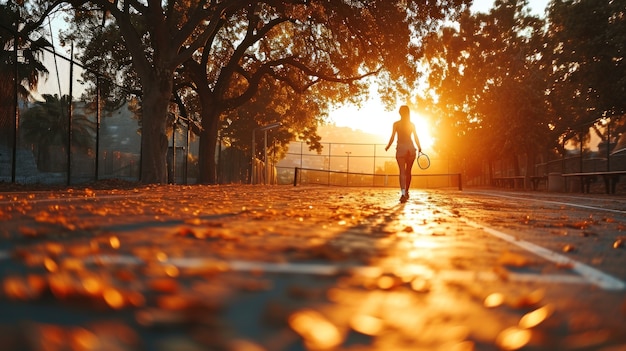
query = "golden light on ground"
x=494 y=300
x=366 y=324
x=513 y=338
x=317 y=331
x=113 y=298
x=536 y=317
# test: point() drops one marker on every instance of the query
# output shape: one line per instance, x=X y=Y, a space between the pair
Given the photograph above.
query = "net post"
x=295 y=176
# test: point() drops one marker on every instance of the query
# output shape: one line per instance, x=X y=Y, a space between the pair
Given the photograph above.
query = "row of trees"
x=15 y=33
x=505 y=84
x=501 y=84
x=235 y=65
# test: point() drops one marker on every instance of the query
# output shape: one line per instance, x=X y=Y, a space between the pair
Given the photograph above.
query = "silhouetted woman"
x=405 y=149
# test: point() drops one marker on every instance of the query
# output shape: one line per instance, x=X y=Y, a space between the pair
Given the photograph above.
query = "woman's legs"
x=402 y=167
x=408 y=169
x=405 y=165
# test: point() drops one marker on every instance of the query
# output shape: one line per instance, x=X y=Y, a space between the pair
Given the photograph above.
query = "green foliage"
x=506 y=84
x=222 y=51
x=16 y=21
x=485 y=77
x=299 y=115
x=46 y=124
x=585 y=44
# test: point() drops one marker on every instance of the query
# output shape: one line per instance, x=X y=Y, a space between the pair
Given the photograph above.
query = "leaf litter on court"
x=168 y=284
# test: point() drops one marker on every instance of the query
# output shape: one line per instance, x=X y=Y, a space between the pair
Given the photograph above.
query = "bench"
x=510 y=182
x=611 y=178
x=514 y=181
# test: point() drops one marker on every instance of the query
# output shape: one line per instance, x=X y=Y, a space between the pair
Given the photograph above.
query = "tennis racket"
x=423 y=161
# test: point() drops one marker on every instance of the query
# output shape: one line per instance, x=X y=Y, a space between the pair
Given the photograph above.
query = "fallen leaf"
x=493 y=300
x=536 y=317
x=569 y=248
x=509 y=258
x=513 y=338
x=317 y=331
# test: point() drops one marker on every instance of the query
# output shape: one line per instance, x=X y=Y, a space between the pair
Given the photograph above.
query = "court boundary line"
x=323 y=269
x=548 y=201
x=592 y=275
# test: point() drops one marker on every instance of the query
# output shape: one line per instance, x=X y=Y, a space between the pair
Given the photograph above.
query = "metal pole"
x=173 y=180
x=69 y=118
x=253 y=164
x=608 y=146
x=220 y=169
x=374 y=170
x=16 y=119
x=187 y=152
x=295 y=177
x=265 y=163
x=348 y=168
x=329 y=160
x=97 y=126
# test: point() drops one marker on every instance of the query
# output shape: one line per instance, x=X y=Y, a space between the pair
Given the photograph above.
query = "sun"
x=372 y=118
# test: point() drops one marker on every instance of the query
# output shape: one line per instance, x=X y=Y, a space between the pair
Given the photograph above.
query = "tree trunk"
x=516 y=167
x=7 y=110
x=153 y=130
x=208 y=143
x=530 y=166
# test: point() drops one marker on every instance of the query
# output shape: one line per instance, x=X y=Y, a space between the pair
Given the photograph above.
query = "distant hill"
x=334 y=134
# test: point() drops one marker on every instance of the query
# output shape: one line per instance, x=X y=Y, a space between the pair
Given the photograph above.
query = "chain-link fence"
x=64 y=132
x=599 y=146
x=350 y=164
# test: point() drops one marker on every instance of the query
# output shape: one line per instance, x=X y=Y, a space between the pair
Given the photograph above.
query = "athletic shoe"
x=407 y=195
x=403 y=198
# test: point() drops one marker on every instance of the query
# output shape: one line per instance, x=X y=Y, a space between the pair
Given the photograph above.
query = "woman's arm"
x=393 y=135
x=417 y=140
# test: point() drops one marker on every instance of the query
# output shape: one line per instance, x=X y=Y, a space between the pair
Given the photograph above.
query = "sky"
x=537 y=6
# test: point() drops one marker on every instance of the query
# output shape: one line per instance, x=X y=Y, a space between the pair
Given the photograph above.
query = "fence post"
x=98 y=120
x=70 y=112
x=295 y=176
x=16 y=114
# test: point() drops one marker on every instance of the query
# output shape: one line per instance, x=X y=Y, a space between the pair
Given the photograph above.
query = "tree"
x=585 y=46
x=15 y=22
x=486 y=81
x=45 y=125
x=299 y=115
x=238 y=43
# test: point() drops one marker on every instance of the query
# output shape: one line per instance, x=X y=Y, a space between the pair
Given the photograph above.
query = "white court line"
x=332 y=269
x=373 y=271
x=72 y=199
x=551 y=202
x=592 y=275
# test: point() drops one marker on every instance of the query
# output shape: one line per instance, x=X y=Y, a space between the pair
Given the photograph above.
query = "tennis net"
x=307 y=176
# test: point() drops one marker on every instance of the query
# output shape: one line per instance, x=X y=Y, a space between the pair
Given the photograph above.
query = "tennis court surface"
x=248 y=268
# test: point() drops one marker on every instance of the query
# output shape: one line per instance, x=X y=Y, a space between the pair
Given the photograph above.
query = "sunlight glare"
x=372 y=118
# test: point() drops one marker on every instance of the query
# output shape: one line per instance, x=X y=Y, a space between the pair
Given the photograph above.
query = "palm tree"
x=29 y=66
x=45 y=127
